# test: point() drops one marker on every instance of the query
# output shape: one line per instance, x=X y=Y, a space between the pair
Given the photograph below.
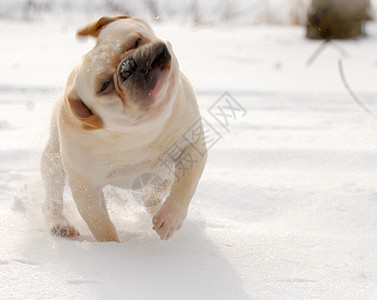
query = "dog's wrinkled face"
x=128 y=79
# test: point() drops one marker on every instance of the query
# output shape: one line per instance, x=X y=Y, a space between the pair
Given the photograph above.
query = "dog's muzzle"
x=145 y=64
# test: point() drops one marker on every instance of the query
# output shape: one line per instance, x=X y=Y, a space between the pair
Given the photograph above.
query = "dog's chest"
x=153 y=177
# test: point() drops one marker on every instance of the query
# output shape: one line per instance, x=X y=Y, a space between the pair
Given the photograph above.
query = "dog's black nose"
x=127 y=68
x=162 y=57
x=145 y=64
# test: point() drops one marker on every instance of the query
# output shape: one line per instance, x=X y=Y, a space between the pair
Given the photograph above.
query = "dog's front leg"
x=53 y=176
x=174 y=210
x=91 y=205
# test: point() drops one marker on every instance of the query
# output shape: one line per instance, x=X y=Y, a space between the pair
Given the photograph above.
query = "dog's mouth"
x=143 y=70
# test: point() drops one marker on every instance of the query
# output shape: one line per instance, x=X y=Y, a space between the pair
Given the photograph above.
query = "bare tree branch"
x=353 y=95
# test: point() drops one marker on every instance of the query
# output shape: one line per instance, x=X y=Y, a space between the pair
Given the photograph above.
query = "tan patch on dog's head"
x=80 y=111
x=89 y=120
x=95 y=28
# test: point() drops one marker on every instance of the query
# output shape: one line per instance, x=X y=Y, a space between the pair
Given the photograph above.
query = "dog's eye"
x=106 y=86
x=137 y=43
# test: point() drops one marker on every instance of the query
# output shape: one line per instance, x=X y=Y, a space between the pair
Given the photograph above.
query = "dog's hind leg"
x=53 y=176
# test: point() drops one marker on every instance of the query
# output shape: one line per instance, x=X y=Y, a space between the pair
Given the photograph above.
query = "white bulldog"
x=128 y=118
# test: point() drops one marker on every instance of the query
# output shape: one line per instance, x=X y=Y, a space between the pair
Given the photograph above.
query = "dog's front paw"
x=64 y=231
x=169 y=219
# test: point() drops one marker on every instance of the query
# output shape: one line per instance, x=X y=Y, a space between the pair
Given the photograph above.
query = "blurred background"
x=248 y=12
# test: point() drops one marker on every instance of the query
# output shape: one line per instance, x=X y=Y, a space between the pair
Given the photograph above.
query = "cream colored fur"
x=123 y=140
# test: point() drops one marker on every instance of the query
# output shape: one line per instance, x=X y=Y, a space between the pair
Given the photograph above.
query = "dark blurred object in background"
x=337 y=19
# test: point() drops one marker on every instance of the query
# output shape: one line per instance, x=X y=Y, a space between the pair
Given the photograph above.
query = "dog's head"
x=128 y=79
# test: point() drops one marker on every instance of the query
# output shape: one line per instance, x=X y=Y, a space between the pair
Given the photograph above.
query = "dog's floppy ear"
x=95 y=28
x=89 y=120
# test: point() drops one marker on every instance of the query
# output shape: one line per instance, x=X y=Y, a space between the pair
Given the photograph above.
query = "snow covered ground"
x=287 y=205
